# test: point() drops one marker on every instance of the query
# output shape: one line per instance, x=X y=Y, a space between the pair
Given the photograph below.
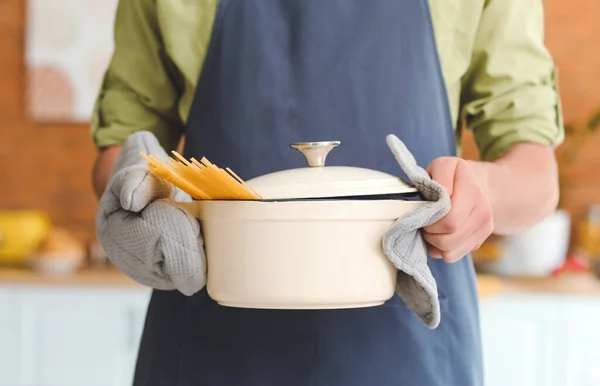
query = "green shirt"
x=500 y=78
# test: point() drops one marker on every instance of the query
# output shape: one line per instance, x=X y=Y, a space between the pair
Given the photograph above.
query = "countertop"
x=581 y=283
x=488 y=285
x=89 y=276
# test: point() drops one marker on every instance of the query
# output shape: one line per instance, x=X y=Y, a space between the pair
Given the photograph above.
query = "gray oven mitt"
x=140 y=228
x=403 y=243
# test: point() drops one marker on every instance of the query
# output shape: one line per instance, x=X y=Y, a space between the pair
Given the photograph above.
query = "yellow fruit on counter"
x=21 y=233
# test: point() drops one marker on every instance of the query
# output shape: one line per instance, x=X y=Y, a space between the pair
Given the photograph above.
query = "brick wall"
x=44 y=167
x=48 y=166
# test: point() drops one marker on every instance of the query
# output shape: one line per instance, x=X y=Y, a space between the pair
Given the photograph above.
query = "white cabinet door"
x=74 y=337
x=581 y=335
x=516 y=346
x=9 y=338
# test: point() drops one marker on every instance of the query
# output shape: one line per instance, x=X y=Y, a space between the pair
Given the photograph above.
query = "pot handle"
x=315 y=152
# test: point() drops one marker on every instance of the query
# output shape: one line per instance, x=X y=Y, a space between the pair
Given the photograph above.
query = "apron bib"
x=283 y=71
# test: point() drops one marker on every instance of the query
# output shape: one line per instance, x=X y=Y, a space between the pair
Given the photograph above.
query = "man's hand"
x=470 y=221
x=503 y=197
x=144 y=233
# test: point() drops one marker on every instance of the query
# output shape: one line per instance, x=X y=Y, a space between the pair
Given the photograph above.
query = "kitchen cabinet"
x=581 y=341
x=541 y=340
x=73 y=335
x=516 y=345
x=9 y=339
x=67 y=336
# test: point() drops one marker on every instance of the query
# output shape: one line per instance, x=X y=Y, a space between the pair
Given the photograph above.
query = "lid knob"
x=315 y=152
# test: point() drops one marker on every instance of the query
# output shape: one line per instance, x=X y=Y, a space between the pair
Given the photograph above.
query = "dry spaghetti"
x=202 y=180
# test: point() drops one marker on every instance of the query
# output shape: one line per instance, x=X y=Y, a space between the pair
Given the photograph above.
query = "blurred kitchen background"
x=67 y=317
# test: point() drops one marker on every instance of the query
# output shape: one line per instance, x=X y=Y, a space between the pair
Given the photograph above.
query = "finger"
x=434 y=252
x=136 y=187
x=455 y=220
x=472 y=243
x=478 y=216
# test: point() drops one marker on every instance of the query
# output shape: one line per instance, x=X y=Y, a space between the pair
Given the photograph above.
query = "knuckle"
x=436 y=162
x=485 y=214
x=460 y=162
x=449 y=244
x=432 y=240
x=439 y=163
x=450 y=224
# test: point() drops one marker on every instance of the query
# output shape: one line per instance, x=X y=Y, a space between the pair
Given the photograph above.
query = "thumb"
x=442 y=170
x=136 y=187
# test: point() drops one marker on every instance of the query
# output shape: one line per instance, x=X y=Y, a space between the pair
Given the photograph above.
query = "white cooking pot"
x=314 y=242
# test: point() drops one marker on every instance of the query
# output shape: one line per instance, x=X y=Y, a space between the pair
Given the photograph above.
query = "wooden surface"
x=488 y=285
x=88 y=277
x=567 y=284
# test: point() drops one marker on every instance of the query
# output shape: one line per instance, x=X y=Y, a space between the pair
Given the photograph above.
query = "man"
x=244 y=78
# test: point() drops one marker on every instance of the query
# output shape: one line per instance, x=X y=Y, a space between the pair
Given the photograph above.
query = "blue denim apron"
x=283 y=71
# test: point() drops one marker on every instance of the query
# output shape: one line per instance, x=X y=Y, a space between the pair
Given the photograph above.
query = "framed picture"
x=69 y=44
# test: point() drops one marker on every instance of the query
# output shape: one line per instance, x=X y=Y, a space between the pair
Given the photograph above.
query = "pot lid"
x=319 y=181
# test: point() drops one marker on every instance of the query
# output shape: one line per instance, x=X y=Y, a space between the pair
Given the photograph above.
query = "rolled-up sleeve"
x=139 y=90
x=510 y=92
